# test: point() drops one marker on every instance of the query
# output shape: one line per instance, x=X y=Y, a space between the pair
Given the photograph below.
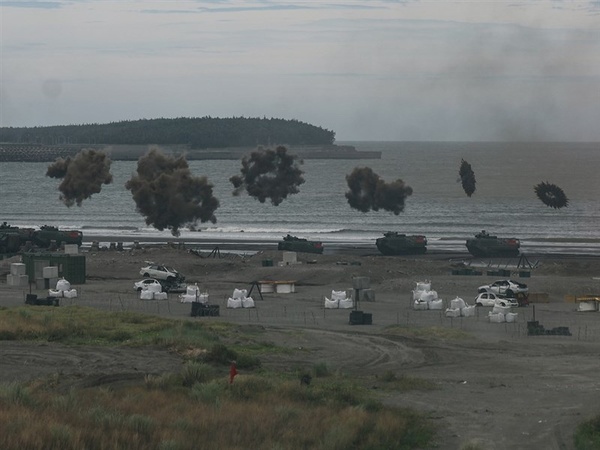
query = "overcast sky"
x=368 y=70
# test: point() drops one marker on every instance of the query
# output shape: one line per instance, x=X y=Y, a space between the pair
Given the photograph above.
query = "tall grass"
x=196 y=408
x=253 y=412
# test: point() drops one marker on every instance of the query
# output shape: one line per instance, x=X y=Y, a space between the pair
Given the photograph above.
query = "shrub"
x=209 y=393
x=221 y=354
x=195 y=372
x=16 y=394
x=320 y=369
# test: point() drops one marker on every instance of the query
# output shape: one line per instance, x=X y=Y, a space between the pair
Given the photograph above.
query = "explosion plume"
x=168 y=196
x=81 y=176
x=467 y=178
x=269 y=174
x=369 y=192
x=551 y=195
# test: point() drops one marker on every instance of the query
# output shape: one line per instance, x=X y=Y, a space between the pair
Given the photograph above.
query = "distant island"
x=196 y=138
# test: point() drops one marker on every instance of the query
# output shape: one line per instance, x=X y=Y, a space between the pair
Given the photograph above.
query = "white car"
x=505 y=288
x=491 y=299
x=160 y=272
x=145 y=284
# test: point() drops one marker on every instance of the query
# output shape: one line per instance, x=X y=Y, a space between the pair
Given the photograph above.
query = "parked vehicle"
x=491 y=299
x=506 y=288
x=160 y=272
x=393 y=243
x=486 y=245
x=146 y=283
x=504 y=301
x=486 y=299
x=295 y=244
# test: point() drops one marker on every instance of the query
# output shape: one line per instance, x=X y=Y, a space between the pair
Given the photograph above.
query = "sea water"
x=503 y=204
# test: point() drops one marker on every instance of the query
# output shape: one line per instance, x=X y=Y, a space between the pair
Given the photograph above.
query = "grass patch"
x=587 y=435
x=253 y=412
x=196 y=408
x=76 y=325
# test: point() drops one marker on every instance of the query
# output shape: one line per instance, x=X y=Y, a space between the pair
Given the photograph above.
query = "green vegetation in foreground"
x=587 y=435
x=196 y=408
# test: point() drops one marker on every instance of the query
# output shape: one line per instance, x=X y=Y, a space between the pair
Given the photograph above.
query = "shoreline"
x=236 y=245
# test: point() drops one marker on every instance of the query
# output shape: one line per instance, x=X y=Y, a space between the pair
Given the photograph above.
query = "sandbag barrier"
x=361 y=318
x=534 y=328
x=204 y=310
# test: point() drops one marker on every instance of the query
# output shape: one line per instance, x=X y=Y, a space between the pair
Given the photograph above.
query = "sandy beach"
x=496 y=386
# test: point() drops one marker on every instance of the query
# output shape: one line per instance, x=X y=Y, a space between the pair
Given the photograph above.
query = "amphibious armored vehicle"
x=47 y=234
x=295 y=244
x=12 y=238
x=393 y=243
x=486 y=245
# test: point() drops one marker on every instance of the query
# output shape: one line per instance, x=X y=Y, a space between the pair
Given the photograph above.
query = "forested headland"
x=196 y=133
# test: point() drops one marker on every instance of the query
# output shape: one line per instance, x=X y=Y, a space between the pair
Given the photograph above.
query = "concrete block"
x=17 y=280
x=266 y=287
x=285 y=287
x=17 y=269
x=51 y=282
x=71 y=249
x=40 y=283
x=50 y=272
x=290 y=258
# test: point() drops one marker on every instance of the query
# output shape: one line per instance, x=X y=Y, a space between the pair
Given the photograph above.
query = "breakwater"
x=16 y=152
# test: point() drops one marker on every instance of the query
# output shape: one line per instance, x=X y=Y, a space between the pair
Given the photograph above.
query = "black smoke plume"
x=369 y=192
x=82 y=176
x=551 y=195
x=467 y=178
x=269 y=174
x=168 y=196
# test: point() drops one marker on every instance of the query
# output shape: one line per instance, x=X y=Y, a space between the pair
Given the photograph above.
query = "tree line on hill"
x=198 y=133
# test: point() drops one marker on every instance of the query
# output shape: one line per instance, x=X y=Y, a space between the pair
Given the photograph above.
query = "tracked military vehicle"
x=295 y=244
x=12 y=239
x=486 y=245
x=393 y=243
x=46 y=234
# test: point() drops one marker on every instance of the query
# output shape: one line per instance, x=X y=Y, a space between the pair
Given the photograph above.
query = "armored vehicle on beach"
x=295 y=244
x=486 y=245
x=12 y=239
x=393 y=243
x=47 y=234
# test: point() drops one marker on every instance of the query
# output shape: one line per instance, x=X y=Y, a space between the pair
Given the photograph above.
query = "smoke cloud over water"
x=269 y=174
x=551 y=195
x=467 y=177
x=369 y=192
x=168 y=195
x=81 y=176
